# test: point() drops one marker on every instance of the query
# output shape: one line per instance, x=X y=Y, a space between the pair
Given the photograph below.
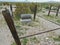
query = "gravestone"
x=26 y=18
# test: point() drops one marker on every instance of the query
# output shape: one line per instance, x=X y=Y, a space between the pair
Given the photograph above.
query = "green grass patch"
x=25 y=40
x=58 y=21
x=13 y=43
x=49 y=17
x=17 y=17
x=56 y=39
x=34 y=24
x=52 y=17
x=34 y=39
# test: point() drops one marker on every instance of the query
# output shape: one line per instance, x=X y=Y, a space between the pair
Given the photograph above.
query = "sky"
x=29 y=0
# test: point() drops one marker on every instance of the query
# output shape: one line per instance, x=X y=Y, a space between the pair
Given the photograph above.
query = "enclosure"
x=42 y=28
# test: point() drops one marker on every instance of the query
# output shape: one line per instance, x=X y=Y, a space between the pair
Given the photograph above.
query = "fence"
x=11 y=26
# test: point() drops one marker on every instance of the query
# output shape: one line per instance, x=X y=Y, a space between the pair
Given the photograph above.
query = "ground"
x=37 y=26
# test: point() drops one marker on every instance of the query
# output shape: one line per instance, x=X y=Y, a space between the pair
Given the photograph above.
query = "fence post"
x=11 y=9
x=35 y=12
x=49 y=10
x=57 y=11
x=11 y=26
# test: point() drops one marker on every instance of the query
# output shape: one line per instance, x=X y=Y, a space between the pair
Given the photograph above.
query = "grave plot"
x=30 y=28
x=35 y=27
x=35 y=32
x=51 y=15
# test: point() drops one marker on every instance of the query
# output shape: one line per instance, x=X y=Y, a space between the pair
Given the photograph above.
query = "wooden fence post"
x=11 y=9
x=49 y=10
x=11 y=26
x=57 y=11
x=35 y=12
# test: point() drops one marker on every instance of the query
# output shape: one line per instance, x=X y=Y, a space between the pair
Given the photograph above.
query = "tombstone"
x=26 y=18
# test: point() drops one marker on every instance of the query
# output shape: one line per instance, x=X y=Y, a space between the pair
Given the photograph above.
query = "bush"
x=47 y=7
x=23 y=9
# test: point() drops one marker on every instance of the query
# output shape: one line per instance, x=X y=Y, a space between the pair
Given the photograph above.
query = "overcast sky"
x=29 y=0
